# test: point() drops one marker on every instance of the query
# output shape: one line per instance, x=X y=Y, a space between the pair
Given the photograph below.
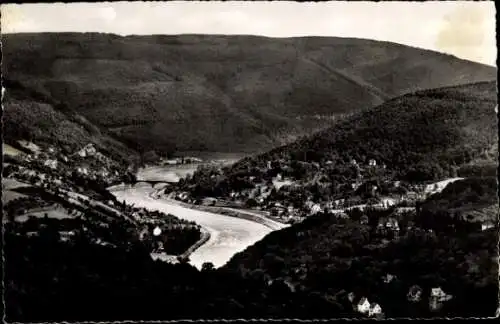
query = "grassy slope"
x=222 y=93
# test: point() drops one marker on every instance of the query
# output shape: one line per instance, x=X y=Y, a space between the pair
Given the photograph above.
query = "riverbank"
x=227 y=235
x=231 y=212
x=274 y=225
x=205 y=236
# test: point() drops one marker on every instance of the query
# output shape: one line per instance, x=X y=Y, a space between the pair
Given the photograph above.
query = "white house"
x=439 y=295
x=82 y=170
x=50 y=163
x=387 y=202
x=363 y=305
x=316 y=208
x=388 y=278
x=487 y=225
x=374 y=310
x=88 y=150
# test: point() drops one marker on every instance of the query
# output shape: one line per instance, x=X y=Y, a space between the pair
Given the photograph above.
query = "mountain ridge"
x=236 y=93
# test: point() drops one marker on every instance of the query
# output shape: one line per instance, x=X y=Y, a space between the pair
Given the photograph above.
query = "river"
x=228 y=235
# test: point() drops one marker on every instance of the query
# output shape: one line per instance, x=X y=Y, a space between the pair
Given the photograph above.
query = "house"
x=82 y=170
x=182 y=196
x=88 y=150
x=440 y=295
x=487 y=225
x=388 y=278
x=374 y=310
x=363 y=306
x=437 y=298
x=388 y=225
x=171 y=162
x=316 y=208
x=50 y=163
x=414 y=294
x=66 y=235
x=387 y=202
x=277 y=210
x=355 y=185
x=392 y=224
x=411 y=195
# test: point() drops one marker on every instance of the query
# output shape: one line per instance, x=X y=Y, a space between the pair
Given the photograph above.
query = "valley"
x=246 y=177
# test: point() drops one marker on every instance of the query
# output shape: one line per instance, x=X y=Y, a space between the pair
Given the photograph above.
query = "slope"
x=420 y=136
x=34 y=116
x=222 y=93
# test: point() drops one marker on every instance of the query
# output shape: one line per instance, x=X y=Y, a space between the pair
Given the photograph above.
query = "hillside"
x=220 y=93
x=420 y=136
x=31 y=116
x=474 y=200
x=334 y=257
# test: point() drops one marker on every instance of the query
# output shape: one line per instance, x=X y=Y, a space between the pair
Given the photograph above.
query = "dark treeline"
x=48 y=280
x=328 y=255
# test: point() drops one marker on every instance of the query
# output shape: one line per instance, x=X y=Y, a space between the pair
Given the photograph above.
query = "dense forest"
x=50 y=280
x=473 y=200
x=211 y=92
x=418 y=137
x=329 y=255
x=421 y=136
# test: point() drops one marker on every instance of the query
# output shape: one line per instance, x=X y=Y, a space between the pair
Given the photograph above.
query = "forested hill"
x=420 y=136
x=220 y=93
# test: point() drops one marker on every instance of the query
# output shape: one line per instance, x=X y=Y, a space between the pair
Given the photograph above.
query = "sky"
x=462 y=28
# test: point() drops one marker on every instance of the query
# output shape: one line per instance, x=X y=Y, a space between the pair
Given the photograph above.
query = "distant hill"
x=420 y=136
x=218 y=93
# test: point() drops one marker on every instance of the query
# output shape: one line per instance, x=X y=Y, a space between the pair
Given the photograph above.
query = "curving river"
x=228 y=235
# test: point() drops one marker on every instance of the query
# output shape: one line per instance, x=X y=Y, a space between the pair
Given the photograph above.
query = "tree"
x=207 y=266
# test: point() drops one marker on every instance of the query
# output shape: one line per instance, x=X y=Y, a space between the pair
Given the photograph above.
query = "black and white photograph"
x=249 y=160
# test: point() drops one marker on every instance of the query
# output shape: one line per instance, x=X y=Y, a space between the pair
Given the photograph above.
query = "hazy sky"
x=462 y=28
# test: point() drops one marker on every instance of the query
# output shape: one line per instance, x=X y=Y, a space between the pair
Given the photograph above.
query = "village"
x=66 y=179
x=42 y=184
x=287 y=200
x=436 y=299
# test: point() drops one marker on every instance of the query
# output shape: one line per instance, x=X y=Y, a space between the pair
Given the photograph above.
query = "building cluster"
x=437 y=297
x=181 y=160
x=363 y=306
